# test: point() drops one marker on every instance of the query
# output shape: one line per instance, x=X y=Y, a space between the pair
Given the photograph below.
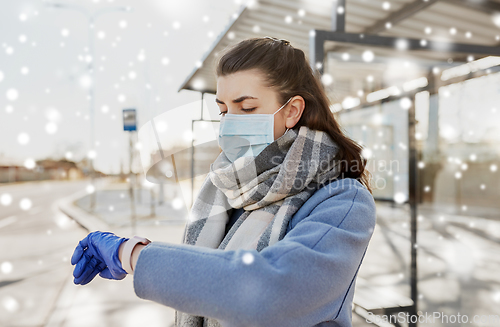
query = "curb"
x=91 y=222
x=83 y=218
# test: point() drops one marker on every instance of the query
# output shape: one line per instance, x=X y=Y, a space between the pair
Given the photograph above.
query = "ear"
x=296 y=108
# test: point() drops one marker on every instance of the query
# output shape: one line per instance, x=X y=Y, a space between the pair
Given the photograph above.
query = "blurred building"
x=12 y=170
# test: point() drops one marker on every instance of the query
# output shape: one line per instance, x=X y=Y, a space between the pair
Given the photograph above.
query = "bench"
x=378 y=300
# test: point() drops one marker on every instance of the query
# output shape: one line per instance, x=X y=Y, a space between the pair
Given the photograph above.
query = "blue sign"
x=129 y=120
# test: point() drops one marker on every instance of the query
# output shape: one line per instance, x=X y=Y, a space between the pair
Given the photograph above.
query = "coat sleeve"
x=299 y=281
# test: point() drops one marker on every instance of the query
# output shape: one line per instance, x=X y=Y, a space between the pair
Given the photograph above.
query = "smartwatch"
x=127 y=252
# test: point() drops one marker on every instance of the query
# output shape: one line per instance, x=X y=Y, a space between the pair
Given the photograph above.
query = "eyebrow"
x=238 y=100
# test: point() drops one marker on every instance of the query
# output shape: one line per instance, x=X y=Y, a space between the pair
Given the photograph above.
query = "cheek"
x=279 y=126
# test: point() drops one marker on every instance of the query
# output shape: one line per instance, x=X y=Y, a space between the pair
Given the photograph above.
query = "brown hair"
x=287 y=69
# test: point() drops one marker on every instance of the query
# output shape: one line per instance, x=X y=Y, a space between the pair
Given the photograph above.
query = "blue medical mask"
x=246 y=135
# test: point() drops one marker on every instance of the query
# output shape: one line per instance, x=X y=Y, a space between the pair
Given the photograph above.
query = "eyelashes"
x=245 y=110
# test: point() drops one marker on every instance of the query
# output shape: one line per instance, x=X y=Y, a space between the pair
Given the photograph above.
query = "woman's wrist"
x=135 y=253
x=120 y=251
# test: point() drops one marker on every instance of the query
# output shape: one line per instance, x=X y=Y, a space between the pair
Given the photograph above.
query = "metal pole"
x=316 y=40
x=145 y=69
x=152 y=208
x=412 y=149
x=131 y=185
x=202 y=96
x=161 y=194
x=192 y=163
x=138 y=185
x=338 y=15
x=90 y=69
x=192 y=148
x=316 y=52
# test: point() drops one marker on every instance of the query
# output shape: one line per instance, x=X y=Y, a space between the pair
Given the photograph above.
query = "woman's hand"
x=96 y=254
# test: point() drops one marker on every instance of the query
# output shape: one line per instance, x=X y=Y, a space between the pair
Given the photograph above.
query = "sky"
x=141 y=57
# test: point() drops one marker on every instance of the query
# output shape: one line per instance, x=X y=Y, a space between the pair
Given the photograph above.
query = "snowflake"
x=25 y=204
x=6 y=199
x=6 y=267
x=23 y=138
x=12 y=94
x=10 y=304
x=90 y=189
x=51 y=128
x=177 y=203
x=29 y=163
x=368 y=56
x=247 y=258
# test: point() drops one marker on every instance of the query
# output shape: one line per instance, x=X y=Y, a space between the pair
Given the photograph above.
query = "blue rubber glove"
x=96 y=254
x=87 y=267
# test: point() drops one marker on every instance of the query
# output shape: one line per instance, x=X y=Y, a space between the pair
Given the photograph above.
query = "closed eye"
x=244 y=109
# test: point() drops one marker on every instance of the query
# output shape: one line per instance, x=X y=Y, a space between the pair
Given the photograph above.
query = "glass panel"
x=382 y=130
x=469 y=147
x=170 y=141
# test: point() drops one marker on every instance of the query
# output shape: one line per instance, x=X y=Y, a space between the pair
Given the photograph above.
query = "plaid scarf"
x=270 y=187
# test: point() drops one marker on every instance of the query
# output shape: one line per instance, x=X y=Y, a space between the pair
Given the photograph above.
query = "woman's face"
x=245 y=93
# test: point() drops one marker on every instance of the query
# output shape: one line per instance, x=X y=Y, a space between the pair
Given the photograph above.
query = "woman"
x=281 y=223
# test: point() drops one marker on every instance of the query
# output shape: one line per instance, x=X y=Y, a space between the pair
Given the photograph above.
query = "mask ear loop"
x=282 y=108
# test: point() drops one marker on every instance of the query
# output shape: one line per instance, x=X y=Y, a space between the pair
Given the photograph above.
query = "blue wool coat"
x=306 y=279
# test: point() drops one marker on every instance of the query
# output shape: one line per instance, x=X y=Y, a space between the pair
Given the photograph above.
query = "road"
x=36 y=245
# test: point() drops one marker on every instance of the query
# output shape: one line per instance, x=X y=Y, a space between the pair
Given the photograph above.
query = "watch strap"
x=127 y=252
